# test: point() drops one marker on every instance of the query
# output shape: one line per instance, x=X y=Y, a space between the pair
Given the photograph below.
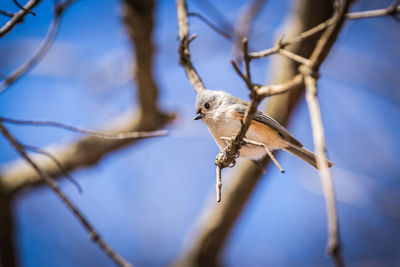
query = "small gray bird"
x=222 y=113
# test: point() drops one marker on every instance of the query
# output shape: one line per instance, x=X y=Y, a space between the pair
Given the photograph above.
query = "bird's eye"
x=207 y=105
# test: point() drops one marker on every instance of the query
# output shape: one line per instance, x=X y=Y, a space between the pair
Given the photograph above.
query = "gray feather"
x=265 y=119
x=305 y=155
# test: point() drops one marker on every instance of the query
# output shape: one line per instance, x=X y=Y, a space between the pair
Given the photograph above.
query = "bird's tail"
x=305 y=155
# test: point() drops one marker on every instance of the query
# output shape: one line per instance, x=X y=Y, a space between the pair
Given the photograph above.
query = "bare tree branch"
x=18 y=17
x=333 y=246
x=281 y=88
x=23 y=8
x=317 y=57
x=89 y=150
x=7 y=14
x=208 y=6
x=82 y=153
x=184 y=54
x=211 y=25
x=296 y=39
x=329 y=37
x=56 y=162
x=43 y=49
x=94 y=235
x=112 y=136
x=217 y=220
x=249 y=13
x=390 y=10
x=218 y=185
x=251 y=142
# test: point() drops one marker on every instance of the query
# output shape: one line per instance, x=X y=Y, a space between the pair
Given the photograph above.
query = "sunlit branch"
x=17 y=17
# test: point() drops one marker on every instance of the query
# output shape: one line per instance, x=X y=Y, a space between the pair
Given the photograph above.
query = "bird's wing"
x=270 y=122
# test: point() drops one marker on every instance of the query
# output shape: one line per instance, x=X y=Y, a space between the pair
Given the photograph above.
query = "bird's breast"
x=225 y=125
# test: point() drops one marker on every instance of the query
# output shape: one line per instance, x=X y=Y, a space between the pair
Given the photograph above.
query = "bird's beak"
x=198 y=116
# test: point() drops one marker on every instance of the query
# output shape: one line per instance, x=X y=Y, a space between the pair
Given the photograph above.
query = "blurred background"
x=146 y=198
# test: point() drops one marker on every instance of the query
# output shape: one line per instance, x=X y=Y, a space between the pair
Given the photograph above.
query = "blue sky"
x=145 y=199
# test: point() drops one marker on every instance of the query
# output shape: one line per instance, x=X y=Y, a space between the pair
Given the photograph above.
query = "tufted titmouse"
x=222 y=114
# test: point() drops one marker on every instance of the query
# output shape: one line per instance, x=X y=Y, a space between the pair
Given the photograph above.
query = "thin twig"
x=296 y=39
x=57 y=162
x=113 y=136
x=242 y=27
x=280 y=88
x=184 y=53
x=23 y=8
x=294 y=57
x=247 y=59
x=231 y=150
x=268 y=152
x=393 y=9
x=48 y=41
x=7 y=14
x=329 y=37
x=333 y=247
x=264 y=53
x=279 y=48
x=94 y=235
x=211 y=25
x=218 y=184
x=251 y=142
x=88 y=151
x=17 y=17
x=211 y=10
x=243 y=76
x=319 y=54
x=229 y=155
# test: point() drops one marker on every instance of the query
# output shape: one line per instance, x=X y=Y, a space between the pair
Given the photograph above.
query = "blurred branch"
x=211 y=25
x=393 y=9
x=7 y=14
x=85 y=152
x=90 y=150
x=112 y=136
x=184 y=41
x=218 y=220
x=56 y=162
x=249 y=13
x=59 y=9
x=8 y=257
x=212 y=11
x=94 y=235
x=18 y=17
